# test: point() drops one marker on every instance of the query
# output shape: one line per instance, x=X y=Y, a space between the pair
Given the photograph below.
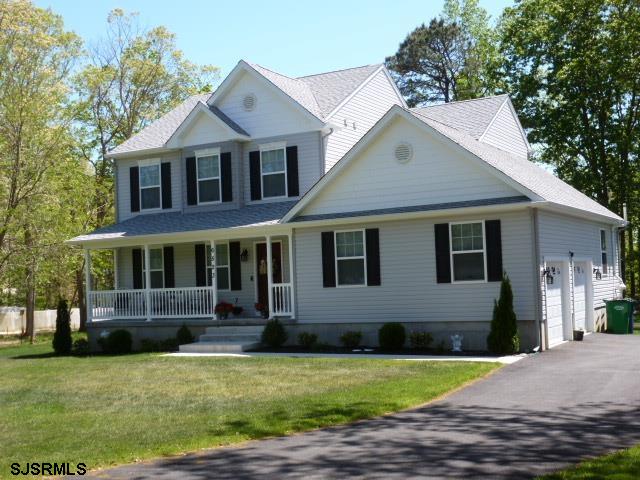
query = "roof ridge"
x=340 y=70
x=462 y=101
x=272 y=71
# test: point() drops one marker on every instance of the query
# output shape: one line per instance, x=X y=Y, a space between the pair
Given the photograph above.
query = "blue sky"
x=292 y=37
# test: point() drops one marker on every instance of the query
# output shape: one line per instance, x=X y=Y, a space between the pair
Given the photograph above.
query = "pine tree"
x=62 y=338
x=503 y=337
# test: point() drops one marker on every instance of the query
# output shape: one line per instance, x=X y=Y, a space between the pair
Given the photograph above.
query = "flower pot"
x=578 y=335
x=223 y=316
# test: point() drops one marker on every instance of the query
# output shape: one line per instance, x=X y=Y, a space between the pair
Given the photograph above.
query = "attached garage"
x=556 y=303
x=581 y=297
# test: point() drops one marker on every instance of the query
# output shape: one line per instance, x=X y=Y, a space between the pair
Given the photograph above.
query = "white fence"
x=14 y=321
x=282 y=299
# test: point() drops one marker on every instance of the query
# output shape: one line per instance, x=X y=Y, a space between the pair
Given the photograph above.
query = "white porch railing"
x=190 y=302
x=282 y=299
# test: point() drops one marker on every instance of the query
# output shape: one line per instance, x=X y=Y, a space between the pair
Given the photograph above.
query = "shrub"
x=117 y=342
x=148 y=345
x=184 y=335
x=351 y=339
x=81 y=347
x=503 y=337
x=307 y=340
x=274 y=334
x=392 y=336
x=62 y=342
x=168 y=345
x=420 y=340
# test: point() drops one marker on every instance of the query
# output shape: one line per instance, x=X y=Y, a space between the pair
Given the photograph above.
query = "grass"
x=622 y=465
x=106 y=410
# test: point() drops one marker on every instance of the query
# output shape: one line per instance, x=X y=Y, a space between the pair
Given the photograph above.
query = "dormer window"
x=208 y=175
x=273 y=166
x=150 y=190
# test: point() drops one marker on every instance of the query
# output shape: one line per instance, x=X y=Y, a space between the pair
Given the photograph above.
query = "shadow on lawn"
x=439 y=441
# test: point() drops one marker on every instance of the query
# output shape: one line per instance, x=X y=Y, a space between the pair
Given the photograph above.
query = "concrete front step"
x=218 y=347
x=230 y=337
x=235 y=330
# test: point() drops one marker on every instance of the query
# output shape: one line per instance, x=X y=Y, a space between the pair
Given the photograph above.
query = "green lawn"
x=623 y=465
x=106 y=410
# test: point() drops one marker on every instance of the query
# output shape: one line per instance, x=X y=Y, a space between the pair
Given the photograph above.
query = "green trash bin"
x=619 y=315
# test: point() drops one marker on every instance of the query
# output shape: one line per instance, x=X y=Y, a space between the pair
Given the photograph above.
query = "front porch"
x=187 y=280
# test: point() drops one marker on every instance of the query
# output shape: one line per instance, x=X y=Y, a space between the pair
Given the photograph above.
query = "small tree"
x=62 y=338
x=503 y=337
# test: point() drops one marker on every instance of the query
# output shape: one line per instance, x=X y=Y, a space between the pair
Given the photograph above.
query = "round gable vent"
x=403 y=152
x=249 y=102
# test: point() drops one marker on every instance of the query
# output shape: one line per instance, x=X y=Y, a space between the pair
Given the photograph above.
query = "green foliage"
x=392 y=336
x=503 y=337
x=148 y=345
x=351 y=339
x=184 y=335
x=117 y=342
x=81 y=347
x=420 y=340
x=274 y=334
x=62 y=342
x=307 y=340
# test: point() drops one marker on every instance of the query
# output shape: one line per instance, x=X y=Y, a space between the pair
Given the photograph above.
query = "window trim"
x=211 y=152
x=154 y=162
x=483 y=251
x=227 y=266
x=144 y=271
x=605 y=251
x=363 y=257
x=270 y=147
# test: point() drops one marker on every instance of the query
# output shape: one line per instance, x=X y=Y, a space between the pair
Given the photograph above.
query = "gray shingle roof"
x=331 y=88
x=175 y=222
x=531 y=176
x=469 y=116
x=158 y=133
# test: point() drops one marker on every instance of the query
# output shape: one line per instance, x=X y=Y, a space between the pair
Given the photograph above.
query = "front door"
x=261 y=269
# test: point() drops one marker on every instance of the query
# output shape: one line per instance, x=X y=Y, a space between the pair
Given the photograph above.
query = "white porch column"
x=87 y=282
x=291 y=279
x=214 y=280
x=147 y=280
x=116 y=281
x=270 y=276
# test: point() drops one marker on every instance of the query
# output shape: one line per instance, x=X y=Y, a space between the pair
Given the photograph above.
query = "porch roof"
x=177 y=222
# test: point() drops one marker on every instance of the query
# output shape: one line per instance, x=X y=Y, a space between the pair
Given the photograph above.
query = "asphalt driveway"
x=538 y=415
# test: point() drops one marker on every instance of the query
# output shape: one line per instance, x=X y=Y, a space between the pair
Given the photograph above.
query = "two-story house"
x=327 y=201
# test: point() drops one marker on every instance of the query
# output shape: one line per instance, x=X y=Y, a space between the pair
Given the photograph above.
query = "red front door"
x=261 y=269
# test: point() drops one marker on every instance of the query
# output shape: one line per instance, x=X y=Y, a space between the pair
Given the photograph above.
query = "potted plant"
x=578 y=335
x=223 y=309
x=262 y=309
x=237 y=310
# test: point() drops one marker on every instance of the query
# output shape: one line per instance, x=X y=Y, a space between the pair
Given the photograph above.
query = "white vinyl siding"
x=409 y=291
x=436 y=174
x=505 y=133
x=364 y=109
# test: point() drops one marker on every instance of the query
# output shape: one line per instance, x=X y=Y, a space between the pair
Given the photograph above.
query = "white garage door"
x=554 y=305
x=580 y=295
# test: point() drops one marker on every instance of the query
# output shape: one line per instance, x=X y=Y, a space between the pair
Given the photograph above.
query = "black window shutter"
x=169 y=271
x=201 y=265
x=292 y=172
x=234 y=264
x=328 y=260
x=192 y=182
x=136 y=261
x=443 y=263
x=494 y=250
x=134 y=189
x=225 y=173
x=255 y=174
x=373 y=256
x=165 y=172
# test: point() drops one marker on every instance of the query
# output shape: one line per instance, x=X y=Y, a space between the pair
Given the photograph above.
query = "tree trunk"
x=81 y=300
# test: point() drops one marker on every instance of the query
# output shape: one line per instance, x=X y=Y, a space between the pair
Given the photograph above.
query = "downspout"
x=538 y=279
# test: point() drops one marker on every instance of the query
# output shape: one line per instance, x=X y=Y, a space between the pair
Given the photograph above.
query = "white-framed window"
x=468 y=255
x=156 y=261
x=208 y=176
x=223 y=272
x=603 y=252
x=273 y=169
x=150 y=186
x=351 y=255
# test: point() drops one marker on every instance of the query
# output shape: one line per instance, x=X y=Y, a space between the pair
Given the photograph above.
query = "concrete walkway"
x=538 y=415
